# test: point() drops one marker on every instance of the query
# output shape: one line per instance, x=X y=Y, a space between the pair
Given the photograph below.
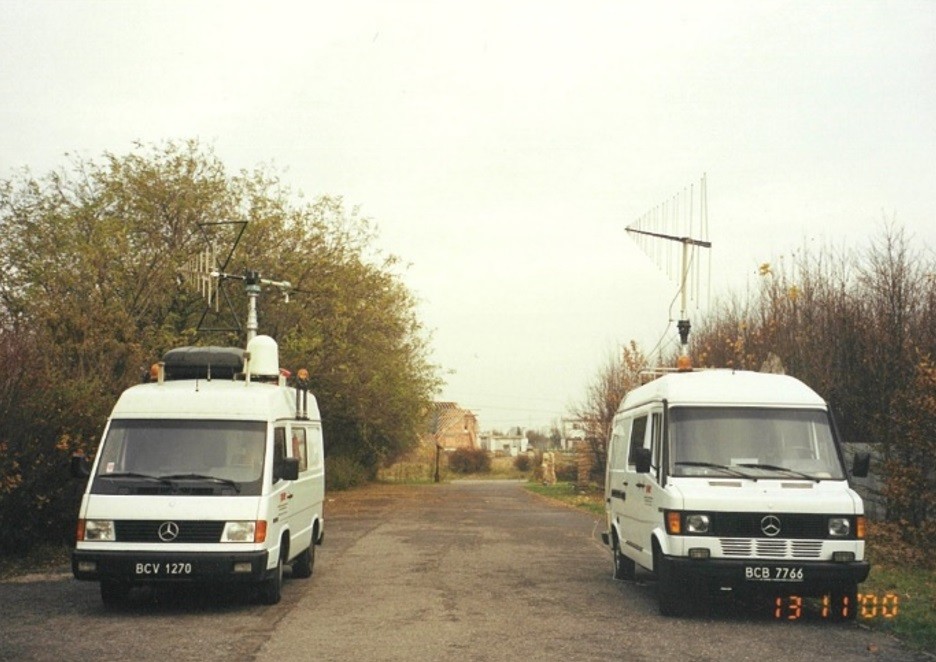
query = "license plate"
x=765 y=573
x=162 y=569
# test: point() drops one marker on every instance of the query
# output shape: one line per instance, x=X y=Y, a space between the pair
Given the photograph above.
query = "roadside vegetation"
x=93 y=261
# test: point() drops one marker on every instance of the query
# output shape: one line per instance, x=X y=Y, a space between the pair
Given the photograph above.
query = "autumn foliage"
x=859 y=328
x=92 y=291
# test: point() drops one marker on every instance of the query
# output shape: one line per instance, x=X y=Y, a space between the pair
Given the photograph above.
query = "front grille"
x=806 y=549
x=148 y=531
x=770 y=549
x=749 y=525
x=776 y=549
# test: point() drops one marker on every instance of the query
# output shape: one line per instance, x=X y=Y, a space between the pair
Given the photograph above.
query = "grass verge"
x=587 y=499
x=909 y=610
x=898 y=600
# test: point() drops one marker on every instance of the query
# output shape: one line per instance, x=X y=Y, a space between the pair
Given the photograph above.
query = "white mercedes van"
x=724 y=480
x=211 y=472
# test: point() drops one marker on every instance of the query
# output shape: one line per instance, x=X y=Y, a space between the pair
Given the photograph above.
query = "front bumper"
x=137 y=567
x=807 y=578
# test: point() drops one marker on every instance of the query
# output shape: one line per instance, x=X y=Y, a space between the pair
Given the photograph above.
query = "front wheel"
x=672 y=600
x=624 y=568
x=304 y=564
x=271 y=589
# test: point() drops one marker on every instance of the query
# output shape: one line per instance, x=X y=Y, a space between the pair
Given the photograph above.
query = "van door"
x=279 y=494
x=617 y=464
x=641 y=498
x=308 y=489
x=648 y=492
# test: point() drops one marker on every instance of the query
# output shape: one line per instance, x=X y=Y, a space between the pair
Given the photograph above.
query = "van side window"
x=656 y=433
x=299 y=448
x=617 y=446
x=638 y=432
x=315 y=442
x=279 y=446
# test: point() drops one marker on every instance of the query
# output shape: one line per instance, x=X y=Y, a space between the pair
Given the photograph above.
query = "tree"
x=614 y=379
x=91 y=292
x=857 y=327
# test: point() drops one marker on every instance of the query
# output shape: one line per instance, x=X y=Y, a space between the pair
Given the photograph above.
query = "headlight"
x=839 y=527
x=99 y=530
x=697 y=523
x=239 y=532
x=244 y=531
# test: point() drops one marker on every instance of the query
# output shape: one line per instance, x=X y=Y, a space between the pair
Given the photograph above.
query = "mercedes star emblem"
x=770 y=525
x=169 y=531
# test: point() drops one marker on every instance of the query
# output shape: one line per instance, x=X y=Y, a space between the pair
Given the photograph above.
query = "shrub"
x=567 y=473
x=523 y=462
x=342 y=472
x=469 y=461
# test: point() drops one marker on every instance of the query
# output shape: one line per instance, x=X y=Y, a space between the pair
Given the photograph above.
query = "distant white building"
x=513 y=443
x=573 y=431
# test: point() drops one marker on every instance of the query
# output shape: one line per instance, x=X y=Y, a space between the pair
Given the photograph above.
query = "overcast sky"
x=502 y=147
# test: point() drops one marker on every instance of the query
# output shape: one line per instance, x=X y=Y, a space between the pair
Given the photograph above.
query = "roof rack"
x=203 y=362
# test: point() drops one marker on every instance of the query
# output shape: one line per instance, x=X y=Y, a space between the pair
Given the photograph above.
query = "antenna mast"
x=659 y=224
x=206 y=275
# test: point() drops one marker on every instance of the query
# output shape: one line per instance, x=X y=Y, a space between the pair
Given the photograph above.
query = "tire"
x=304 y=564
x=672 y=601
x=845 y=599
x=624 y=568
x=271 y=589
x=113 y=593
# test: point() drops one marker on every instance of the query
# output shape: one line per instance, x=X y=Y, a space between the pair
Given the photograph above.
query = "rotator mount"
x=683 y=327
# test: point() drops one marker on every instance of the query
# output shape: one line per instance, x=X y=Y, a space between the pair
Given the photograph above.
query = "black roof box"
x=202 y=362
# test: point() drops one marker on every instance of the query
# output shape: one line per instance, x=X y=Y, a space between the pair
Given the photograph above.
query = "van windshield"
x=158 y=456
x=753 y=442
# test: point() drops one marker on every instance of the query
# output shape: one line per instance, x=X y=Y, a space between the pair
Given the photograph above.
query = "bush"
x=523 y=462
x=469 y=461
x=342 y=472
x=567 y=473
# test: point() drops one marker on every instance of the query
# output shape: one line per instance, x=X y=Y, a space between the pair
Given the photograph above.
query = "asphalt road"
x=467 y=571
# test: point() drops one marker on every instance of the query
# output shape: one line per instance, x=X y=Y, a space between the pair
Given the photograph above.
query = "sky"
x=503 y=147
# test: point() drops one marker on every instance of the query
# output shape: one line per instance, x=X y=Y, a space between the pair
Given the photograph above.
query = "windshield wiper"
x=721 y=467
x=192 y=476
x=133 y=474
x=773 y=467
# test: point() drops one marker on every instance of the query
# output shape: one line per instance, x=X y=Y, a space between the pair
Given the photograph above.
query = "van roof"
x=216 y=399
x=725 y=387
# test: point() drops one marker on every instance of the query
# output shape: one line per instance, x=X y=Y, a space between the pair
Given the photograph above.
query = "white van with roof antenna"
x=212 y=472
x=730 y=481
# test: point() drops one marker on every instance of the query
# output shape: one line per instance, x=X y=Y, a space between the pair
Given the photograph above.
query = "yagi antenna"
x=665 y=226
x=206 y=275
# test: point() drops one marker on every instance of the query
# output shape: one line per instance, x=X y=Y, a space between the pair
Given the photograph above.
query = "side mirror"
x=642 y=460
x=286 y=469
x=861 y=465
x=79 y=466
